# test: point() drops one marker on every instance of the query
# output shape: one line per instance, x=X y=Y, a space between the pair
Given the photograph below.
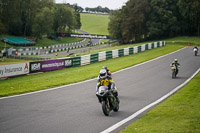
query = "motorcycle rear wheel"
x=105 y=108
x=195 y=53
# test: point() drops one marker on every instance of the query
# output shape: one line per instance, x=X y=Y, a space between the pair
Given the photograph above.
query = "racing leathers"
x=109 y=83
x=177 y=65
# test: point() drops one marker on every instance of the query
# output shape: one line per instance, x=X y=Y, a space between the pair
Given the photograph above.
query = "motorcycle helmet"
x=104 y=67
x=103 y=74
x=175 y=60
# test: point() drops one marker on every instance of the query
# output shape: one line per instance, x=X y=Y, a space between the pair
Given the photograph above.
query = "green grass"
x=46 y=80
x=62 y=40
x=95 y=23
x=12 y=61
x=178 y=114
x=193 y=41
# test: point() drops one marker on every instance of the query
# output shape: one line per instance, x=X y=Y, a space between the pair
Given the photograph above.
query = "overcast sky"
x=111 y=4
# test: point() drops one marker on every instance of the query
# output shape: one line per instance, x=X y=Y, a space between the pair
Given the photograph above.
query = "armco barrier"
x=49 y=65
x=131 y=50
x=139 y=49
x=108 y=55
x=76 y=61
x=121 y=52
x=105 y=55
x=115 y=53
x=102 y=56
x=94 y=58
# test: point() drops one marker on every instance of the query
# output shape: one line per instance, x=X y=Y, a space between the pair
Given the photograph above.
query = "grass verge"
x=95 y=23
x=47 y=80
x=178 y=114
x=12 y=61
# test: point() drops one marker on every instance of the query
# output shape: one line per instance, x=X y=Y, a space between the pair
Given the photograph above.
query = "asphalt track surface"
x=75 y=108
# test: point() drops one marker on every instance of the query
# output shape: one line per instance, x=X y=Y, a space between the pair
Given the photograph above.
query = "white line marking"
x=148 y=106
x=50 y=89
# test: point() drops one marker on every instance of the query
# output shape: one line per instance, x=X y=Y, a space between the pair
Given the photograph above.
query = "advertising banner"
x=50 y=65
x=14 y=70
x=92 y=36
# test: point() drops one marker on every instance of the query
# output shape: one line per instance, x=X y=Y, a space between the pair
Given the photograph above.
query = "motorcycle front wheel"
x=106 y=108
x=173 y=74
x=117 y=107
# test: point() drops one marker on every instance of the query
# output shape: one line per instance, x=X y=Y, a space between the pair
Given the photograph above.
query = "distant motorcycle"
x=107 y=100
x=174 y=71
x=195 y=51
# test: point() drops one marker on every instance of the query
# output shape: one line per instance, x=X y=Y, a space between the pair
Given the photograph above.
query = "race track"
x=75 y=108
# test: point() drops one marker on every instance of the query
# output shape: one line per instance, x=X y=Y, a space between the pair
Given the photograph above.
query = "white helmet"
x=103 y=74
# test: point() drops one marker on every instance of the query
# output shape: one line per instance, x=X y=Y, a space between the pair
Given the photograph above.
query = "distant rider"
x=196 y=48
x=105 y=80
x=175 y=63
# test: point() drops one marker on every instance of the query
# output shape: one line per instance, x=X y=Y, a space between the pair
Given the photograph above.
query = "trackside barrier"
x=33 y=67
x=94 y=58
x=108 y=55
x=131 y=50
x=105 y=55
x=51 y=49
x=49 y=65
x=115 y=53
x=102 y=56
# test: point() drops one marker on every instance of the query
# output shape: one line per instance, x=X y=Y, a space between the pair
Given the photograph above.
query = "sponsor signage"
x=92 y=36
x=50 y=65
x=14 y=70
x=35 y=67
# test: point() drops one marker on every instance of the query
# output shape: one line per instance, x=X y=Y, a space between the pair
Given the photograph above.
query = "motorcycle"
x=108 y=100
x=195 y=51
x=174 y=71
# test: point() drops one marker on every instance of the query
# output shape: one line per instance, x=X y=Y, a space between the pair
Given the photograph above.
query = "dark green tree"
x=43 y=23
x=114 y=25
x=64 y=17
x=163 y=20
x=189 y=11
x=135 y=15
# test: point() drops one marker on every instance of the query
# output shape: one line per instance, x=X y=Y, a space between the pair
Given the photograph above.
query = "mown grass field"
x=51 y=79
x=95 y=23
x=178 y=114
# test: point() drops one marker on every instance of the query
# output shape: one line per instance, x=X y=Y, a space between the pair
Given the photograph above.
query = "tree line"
x=142 y=20
x=37 y=17
x=98 y=9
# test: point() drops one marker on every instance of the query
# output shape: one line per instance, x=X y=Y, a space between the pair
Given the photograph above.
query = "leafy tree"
x=78 y=20
x=129 y=23
x=134 y=18
x=2 y=28
x=98 y=9
x=43 y=23
x=162 y=20
x=64 y=17
x=77 y=8
x=190 y=10
x=114 y=25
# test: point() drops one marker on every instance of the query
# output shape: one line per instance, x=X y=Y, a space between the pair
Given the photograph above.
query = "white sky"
x=111 y=4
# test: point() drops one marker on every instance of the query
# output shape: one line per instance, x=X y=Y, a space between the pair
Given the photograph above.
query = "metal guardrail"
x=26 y=58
